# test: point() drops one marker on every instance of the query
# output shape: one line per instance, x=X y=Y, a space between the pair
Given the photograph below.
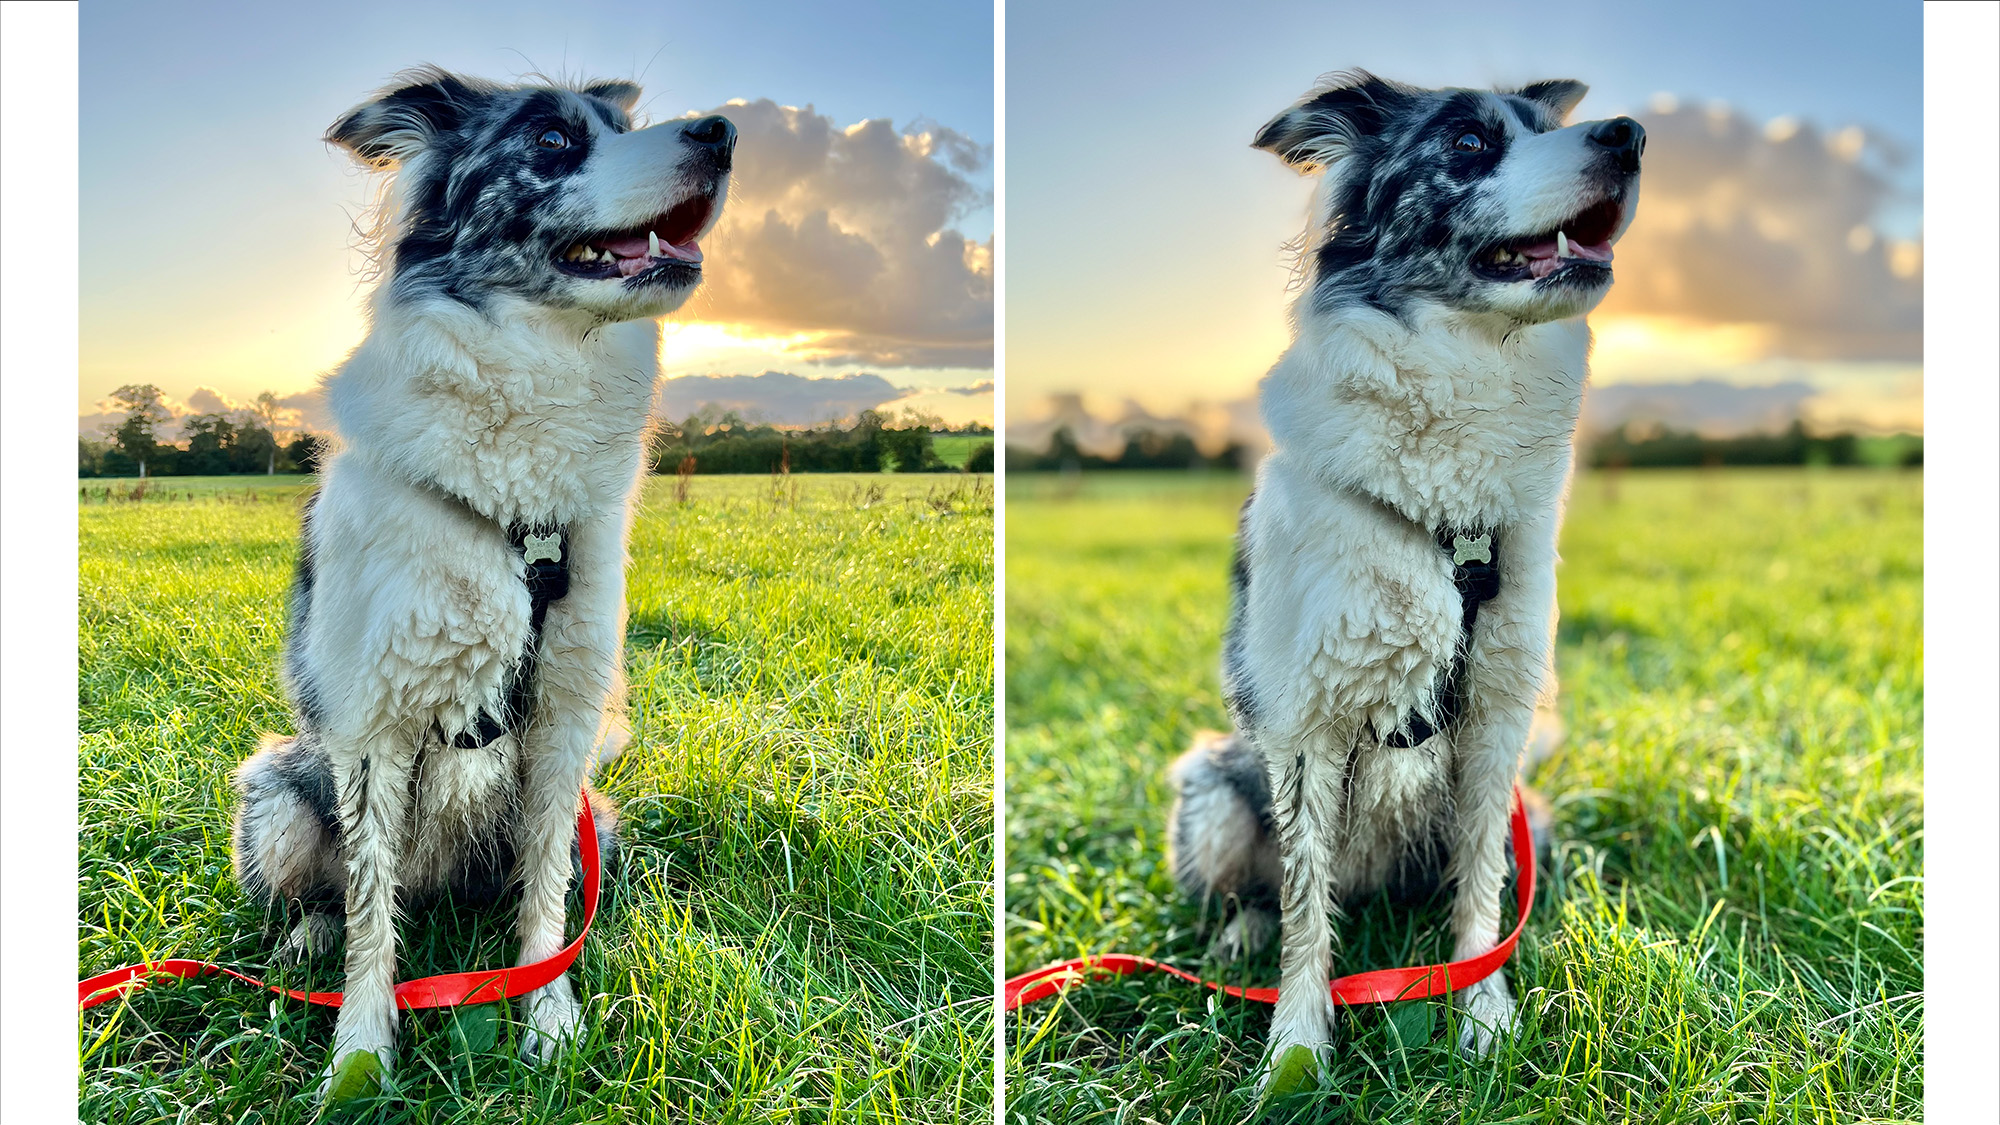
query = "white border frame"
x=1961 y=562
x=38 y=540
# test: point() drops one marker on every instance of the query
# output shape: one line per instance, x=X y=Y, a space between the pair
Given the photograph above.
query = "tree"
x=254 y=448
x=265 y=410
x=911 y=449
x=914 y=419
x=306 y=451
x=210 y=440
x=89 y=457
x=135 y=437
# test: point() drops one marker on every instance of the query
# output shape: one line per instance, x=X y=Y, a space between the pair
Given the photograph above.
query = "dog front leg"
x=579 y=669
x=1305 y=805
x=1487 y=763
x=1510 y=663
x=373 y=788
x=548 y=825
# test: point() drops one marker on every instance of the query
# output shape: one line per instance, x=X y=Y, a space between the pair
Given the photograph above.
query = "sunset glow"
x=858 y=237
x=688 y=347
x=1638 y=346
x=1777 y=244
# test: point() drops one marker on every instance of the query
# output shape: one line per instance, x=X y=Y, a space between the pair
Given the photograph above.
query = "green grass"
x=247 y=487
x=800 y=926
x=954 y=449
x=1730 y=928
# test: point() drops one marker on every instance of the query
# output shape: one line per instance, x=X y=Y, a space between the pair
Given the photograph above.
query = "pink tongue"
x=636 y=247
x=1542 y=260
x=632 y=253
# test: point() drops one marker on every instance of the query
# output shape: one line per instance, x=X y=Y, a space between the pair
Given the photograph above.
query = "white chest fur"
x=528 y=417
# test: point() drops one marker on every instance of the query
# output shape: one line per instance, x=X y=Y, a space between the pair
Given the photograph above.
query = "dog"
x=457 y=617
x=1393 y=591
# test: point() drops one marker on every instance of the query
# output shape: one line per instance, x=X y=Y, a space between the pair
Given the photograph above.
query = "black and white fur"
x=1434 y=381
x=505 y=381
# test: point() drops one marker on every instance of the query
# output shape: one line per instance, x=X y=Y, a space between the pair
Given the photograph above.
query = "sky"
x=218 y=256
x=1777 y=241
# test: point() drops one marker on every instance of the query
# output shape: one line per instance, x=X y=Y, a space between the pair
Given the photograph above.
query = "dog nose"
x=1623 y=138
x=713 y=133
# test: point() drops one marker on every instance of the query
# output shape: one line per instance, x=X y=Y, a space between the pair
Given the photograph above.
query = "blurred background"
x=221 y=272
x=1768 y=305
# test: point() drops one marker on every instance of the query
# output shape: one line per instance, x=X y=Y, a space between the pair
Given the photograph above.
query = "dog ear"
x=618 y=92
x=1330 y=120
x=1560 y=95
x=405 y=117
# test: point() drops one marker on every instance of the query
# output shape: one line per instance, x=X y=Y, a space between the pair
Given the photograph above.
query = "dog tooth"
x=652 y=244
x=1562 y=245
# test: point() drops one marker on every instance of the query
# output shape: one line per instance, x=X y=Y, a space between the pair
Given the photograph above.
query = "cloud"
x=305 y=410
x=1771 y=224
x=984 y=387
x=208 y=400
x=847 y=234
x=775 y=397
x=1707 y=406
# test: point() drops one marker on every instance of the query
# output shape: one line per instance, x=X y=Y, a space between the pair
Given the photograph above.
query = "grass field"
x=1730 y=928
x=800 y=927
x=953 y=449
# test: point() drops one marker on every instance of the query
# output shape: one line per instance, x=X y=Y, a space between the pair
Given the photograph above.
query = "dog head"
x=1482 y=201
x=541 y=192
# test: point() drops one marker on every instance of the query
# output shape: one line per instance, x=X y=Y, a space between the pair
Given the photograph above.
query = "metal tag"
x=535 y=548
x=1473 y=550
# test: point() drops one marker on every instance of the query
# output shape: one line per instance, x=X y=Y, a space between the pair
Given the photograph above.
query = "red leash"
x=1374 y=987
x=443 y=991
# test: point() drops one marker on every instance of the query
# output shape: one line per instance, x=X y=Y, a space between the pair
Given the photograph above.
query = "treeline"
x=241 y=441
x=247 y=441
x=1628 y=447
x=874 y=443
x=1144 y=449
x=1654 y=447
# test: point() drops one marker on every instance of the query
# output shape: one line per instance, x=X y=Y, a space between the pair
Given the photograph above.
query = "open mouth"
x=1581 y=245
x=663 y=245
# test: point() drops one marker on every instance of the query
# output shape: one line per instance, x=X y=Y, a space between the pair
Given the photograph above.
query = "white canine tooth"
x=652 y=244
x=1562 y=245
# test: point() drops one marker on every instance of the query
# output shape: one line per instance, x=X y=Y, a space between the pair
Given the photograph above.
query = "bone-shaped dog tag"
x=1473 y=550
x=535 y=548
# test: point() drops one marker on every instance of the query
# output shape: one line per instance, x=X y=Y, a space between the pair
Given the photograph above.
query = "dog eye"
x=554 y=138
x=1470 y=142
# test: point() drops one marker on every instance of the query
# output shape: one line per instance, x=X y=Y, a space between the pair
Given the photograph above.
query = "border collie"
x=1381 y=685
x=459 y=607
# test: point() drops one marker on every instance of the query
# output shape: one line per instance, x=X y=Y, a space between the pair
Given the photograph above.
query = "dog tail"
x=1219 y=840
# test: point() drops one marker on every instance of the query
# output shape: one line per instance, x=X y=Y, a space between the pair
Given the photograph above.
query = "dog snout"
x=713 y=135
x=1623 y=138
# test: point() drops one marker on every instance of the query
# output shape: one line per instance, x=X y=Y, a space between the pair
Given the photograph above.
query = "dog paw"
x=553 y=1017
x=1292 y=1068
x=314 y=937
x=1301 y=1045
x=1244 y=936
x=1487 y=1016
x=358 y=1070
